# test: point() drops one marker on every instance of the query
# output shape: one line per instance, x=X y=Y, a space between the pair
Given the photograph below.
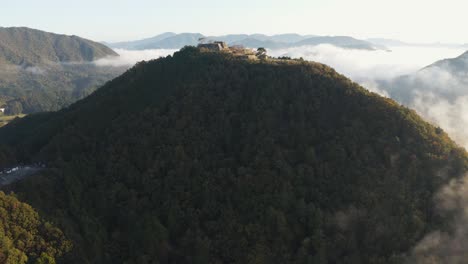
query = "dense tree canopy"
x=25 y=237
x=207 y=158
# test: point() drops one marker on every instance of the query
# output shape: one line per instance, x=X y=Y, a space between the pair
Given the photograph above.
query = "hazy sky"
x=113 y=20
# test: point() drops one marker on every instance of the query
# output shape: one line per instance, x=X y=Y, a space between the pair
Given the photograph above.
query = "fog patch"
x=439 y=96
x=131 y=57
x=447 y=246
x=373 y=86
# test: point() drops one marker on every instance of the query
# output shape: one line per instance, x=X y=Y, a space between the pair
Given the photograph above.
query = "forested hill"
x=41 y=71
x=25 y=46
x=207 y=158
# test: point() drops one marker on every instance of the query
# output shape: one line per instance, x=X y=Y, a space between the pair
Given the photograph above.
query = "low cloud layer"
x=365 y=64
x=447 y=246
x=131 y=57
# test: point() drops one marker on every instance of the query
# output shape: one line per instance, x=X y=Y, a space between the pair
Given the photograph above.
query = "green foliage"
x=45 y=259
x=205 y=158
x=261 y=53
x=25 y=236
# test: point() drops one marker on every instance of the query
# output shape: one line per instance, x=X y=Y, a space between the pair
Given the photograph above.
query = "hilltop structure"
x=214 y=46
x=237 y=50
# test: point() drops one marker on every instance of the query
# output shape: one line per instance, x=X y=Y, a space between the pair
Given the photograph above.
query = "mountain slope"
x=455 y=65
x=41 y=71
x=25 y=46
x=207 y=158
x=140 y=44
x=446 y=79
x=339 y=41
x=289 y=37
x=174 y=42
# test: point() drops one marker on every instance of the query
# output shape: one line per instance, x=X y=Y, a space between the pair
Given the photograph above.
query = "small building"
x=2 y=110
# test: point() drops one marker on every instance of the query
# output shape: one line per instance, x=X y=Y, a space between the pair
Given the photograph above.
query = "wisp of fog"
x=131 y=57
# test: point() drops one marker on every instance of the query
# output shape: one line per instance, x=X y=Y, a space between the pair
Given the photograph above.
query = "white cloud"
x=131 y=57
x=442 y=246
x=452 y=116
x=365 y=64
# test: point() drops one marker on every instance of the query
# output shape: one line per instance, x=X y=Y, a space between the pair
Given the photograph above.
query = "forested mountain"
x=31 y=47
x=455 y=65
x=41 y=71
x=209 y=158
x=171 y=41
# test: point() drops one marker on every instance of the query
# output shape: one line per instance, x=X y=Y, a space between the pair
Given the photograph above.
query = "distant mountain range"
x=41 y=71
x=177 y=41
x=458 y=65
x=384 y=42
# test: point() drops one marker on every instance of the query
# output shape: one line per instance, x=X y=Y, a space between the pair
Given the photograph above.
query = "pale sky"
x=116 y=20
